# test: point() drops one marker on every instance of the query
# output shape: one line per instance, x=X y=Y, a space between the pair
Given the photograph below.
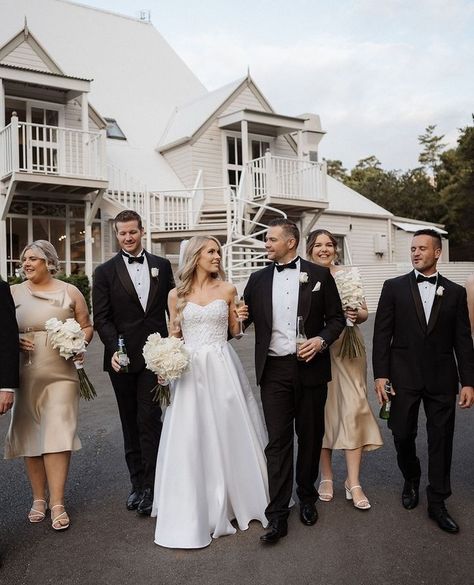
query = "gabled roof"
x=189 y=119
x=25 y=37
x=343 y=199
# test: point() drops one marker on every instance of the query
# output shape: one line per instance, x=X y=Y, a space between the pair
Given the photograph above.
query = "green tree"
x=336 y=170
x=456 y=188
x=433 y=146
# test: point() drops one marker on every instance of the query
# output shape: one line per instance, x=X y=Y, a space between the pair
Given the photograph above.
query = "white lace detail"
x=205 y=325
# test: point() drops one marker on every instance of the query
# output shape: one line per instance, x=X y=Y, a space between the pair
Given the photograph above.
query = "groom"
x=293 y=392
x=129 y=297
x=423 y=345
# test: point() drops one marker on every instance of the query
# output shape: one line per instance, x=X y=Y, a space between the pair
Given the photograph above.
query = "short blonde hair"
x=45 y=250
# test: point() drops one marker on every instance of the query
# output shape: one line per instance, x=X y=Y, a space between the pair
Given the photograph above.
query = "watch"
x=324 y=344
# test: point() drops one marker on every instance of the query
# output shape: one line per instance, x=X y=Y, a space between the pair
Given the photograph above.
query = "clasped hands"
x=466 y=395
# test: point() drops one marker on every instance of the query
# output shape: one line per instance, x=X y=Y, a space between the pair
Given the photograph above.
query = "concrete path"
x=107 y=545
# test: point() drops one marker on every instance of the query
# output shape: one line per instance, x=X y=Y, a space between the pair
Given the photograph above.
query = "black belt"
x=288 y=357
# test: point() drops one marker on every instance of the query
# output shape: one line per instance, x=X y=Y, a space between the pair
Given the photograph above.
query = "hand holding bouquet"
x=168 y=359
x=70 y=339
x=349 y=285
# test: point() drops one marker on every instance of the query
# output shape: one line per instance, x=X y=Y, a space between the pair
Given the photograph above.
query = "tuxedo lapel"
x=305 y=292
x=267 y=296
x=125 y=279
x=154 y=281
x=435 y=309
x=417 y=300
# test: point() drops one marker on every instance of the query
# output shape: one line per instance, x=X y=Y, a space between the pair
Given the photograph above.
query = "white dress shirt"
x=427 y=294
x=140 y=275
x=285 y=293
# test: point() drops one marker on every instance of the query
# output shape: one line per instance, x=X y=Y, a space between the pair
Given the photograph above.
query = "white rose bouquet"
x=70 y=339
x=349 y=285
x=168 y=359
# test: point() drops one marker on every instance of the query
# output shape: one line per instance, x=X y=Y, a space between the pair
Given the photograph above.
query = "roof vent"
x=145 y=15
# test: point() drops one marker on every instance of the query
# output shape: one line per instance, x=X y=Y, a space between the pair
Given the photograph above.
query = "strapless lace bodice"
x=205 y=325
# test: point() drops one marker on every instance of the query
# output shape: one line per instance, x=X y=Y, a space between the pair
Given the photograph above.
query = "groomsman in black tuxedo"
x=9 y=350
x=422 y=344
x=293 y=391
x=130 y=295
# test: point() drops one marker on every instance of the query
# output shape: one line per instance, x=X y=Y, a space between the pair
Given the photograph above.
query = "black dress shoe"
x=410 y=495
x=440 y=515
x=278 y=529
x=134 y=499
x=308 y=514
x=145 y=505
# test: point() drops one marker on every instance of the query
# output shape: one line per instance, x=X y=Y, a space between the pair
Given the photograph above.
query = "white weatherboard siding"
x=25 y=56
x=359 y=232
x=138 y=78
x=283 y=148
x=180 y=160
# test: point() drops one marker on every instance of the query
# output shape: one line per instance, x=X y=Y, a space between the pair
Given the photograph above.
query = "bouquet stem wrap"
x=168 y=359
x=70 y=339
x=349 y=285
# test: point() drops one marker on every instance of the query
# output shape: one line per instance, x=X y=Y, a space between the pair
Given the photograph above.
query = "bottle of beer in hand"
x=122 y=356
x=300 y=337
x=385 y=409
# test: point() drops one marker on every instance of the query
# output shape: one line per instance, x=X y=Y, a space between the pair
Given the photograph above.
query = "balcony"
x=52 y=156
x=286 y=182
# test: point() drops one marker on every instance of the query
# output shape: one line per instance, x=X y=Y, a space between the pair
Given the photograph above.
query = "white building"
x=99 y=114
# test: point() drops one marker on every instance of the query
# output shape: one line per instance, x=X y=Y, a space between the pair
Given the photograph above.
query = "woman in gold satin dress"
x=44 y=416
x=349 y=422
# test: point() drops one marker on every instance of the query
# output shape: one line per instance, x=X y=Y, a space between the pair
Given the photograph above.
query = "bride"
x=211 y=466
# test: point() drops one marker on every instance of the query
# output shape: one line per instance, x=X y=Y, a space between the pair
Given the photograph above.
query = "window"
x=114 y=130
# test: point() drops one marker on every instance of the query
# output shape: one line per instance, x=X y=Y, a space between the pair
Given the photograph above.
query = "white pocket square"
x=317 y=286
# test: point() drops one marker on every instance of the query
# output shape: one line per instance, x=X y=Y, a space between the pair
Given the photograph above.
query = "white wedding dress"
x=211 y=466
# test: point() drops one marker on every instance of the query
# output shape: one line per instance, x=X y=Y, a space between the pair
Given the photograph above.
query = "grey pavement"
x=106 y=544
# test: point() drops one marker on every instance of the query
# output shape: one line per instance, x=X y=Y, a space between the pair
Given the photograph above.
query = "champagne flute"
x=29 y=335
x=239 y=302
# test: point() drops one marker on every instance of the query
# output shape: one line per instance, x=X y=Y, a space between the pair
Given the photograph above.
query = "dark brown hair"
x=311 y=241
x=289 y=227
x=433 y=233
x=128 y=215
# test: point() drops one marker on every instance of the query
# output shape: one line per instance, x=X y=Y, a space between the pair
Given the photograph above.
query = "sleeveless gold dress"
x=45 y=410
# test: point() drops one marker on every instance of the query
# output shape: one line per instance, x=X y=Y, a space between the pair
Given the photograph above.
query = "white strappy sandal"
x=362 y=504
x=325 y=496
x=60 y=517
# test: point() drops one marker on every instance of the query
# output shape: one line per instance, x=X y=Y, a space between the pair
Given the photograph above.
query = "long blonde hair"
x=186 y=273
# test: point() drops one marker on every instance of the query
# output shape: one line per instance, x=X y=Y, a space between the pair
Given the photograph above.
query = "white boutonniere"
x=303 y=277
x=440 y=291
x=155 y=272
x=316 y=287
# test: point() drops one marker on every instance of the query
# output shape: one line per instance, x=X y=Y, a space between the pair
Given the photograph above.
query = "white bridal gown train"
x=211 y=464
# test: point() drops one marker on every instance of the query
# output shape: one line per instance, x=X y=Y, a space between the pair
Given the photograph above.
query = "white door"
x=43 y=138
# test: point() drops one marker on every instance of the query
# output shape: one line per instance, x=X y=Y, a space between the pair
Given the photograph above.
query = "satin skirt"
x=211 y=466
x=348 y=419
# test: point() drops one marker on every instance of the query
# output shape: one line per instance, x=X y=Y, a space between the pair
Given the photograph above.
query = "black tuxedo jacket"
x=321 y=310
x=9 y=341
x=414 y=354
x=117 y=309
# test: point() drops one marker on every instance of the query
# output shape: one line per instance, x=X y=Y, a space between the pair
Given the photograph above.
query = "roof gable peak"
x=25 y=37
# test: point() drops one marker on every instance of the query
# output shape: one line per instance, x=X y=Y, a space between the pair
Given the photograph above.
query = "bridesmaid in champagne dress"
x=44 y=415
x=349 y=422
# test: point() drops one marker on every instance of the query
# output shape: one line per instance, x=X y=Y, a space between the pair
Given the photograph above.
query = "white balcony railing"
x=286 y=178
x=178 y=209
x=52 y=150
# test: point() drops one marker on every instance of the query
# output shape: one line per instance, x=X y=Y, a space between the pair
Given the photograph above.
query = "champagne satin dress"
x=44 y=414
x=349 y=422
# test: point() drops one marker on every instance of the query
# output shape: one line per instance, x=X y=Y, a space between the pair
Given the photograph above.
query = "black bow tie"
x=131 y=259
x=291 y=264
x=430 y=279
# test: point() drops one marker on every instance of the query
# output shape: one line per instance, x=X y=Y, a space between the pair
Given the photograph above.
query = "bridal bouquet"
x=349 y=285
x=69 y=338
x=166 y=357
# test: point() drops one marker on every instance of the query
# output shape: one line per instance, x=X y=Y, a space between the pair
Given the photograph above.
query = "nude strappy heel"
x=35 y=515
x=60 y=517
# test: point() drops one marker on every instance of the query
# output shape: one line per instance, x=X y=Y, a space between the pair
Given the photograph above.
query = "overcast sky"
x=376 y=71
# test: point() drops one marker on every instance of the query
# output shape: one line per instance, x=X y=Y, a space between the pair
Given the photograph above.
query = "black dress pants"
x=440 y=413
x=141 y=424
x=289 y=405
